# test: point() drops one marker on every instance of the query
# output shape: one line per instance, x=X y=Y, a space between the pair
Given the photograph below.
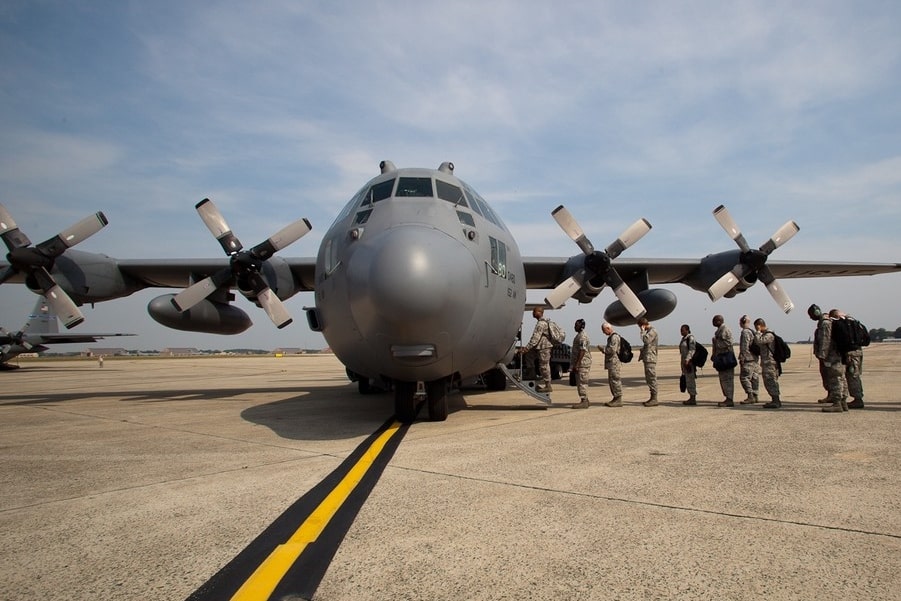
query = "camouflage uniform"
x=769 y=367
x=749 y=366
x=832 y=363
x=581 y=343
x=722 y=343
x=541 y=343
x=613 y=365
x=817 y=343
x=648 y=355
x=853 y=361
x=686 y=352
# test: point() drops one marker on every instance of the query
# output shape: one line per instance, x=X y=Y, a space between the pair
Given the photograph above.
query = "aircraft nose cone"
x=412 y=283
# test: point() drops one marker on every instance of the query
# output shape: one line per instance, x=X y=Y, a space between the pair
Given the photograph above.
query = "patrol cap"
x=814 y=312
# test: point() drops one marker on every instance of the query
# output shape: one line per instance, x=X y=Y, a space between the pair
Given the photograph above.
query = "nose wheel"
x=406 y=404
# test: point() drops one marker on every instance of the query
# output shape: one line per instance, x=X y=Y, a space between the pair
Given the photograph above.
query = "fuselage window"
x=498 y=257
x=466 y=219
x=380 y=191
x=414 y=186
x=450 y=193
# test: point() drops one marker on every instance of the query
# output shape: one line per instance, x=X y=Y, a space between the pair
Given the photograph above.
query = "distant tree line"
x=878 y=335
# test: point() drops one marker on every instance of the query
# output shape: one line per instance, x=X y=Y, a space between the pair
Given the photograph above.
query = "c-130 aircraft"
x=417 y=280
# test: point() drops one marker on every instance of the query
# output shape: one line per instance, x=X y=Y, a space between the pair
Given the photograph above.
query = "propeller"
x=245 y=265
x=37 y=261
x=8 y=339
x=598 y=263
x=752 y=262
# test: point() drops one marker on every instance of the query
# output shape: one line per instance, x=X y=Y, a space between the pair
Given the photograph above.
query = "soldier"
x=816 y=314
x=686 y=353
x=541 y=343
x=748 y=361
x=722 y=344
x=612 y=363
x=831 y=359
x=581 y=363
x=648 y=355
x=766 y=340
x=853 y=361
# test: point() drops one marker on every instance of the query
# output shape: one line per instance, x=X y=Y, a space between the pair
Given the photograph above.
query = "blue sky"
x=618 y=110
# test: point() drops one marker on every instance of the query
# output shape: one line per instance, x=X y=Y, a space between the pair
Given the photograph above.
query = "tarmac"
x=141 y=479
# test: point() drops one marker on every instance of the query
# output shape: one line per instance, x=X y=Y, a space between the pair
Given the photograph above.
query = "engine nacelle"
x=206 y=316
x=657 y=302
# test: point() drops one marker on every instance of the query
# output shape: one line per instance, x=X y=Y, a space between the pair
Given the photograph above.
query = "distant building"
x=105 y=352
x=174 y=351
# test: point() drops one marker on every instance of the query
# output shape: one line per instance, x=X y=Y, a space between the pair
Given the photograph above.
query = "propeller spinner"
x=598 y=263
x=752 y=261
x=245 y=265
x=37 y=261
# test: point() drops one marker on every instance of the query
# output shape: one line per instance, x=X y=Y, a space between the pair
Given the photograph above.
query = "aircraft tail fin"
x=42 y=319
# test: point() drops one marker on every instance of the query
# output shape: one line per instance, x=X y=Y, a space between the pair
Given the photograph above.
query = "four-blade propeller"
x=598 y=263
x=37 y=261
x=752 y=262
x=245 y=265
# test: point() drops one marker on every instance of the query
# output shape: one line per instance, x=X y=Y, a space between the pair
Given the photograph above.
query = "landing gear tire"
x=405 y=402
x=436 y=393
x=495 y=379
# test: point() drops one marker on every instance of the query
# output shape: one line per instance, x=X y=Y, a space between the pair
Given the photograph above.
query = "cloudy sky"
x=283 y=109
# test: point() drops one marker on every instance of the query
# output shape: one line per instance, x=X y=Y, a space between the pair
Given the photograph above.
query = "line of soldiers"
x=757 y=359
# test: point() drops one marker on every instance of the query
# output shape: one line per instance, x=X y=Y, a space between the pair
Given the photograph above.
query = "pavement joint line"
x=639 y=502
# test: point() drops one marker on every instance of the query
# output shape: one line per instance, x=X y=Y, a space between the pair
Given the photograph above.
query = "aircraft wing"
x=177 y=273
x=547 y=272
x=63 y=338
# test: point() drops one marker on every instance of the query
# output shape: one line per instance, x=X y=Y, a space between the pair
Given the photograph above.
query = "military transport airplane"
x=41 y=329
x=417 y=280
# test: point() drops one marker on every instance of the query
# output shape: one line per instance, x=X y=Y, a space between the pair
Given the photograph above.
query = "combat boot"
x=616 y=402
x=691 y=401
x=845 y=404
x=583 y=405
x=835 y=407
x=651 y=402
x=856 y=404
x=726 y=403
x=774 y=404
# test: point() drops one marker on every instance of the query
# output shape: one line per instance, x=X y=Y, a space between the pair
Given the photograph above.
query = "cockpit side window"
x=451 y=193
x=414 y=186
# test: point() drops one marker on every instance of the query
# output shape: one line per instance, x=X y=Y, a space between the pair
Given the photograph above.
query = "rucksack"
x=781 y=350
x=700 y=356
x=555 y=333
x=625 y=350
x=849 y=334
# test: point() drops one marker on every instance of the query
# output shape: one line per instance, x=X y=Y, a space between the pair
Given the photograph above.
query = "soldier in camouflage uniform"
x=581 y=363
x=686 y=353
x=648 y=355
x=612 y=363
x=541 y=343
x=827 y=352
x=853 y=361
x=816 y=314
x=766 y=340
x=748 y=362
x=722 y=343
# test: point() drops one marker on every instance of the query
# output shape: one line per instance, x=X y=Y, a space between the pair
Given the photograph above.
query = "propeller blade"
x=572 y=228
x=775 y=289
x=72 y=235
x=12 y=236
x=725 y=284
x=63 y=306
x=633 y=234
x=193 y=294
x=564 y=291
x=286 y=236
x=274 y=308
x=214 y=220
x=721 y=214
x=630 y=301
x=782 y=235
